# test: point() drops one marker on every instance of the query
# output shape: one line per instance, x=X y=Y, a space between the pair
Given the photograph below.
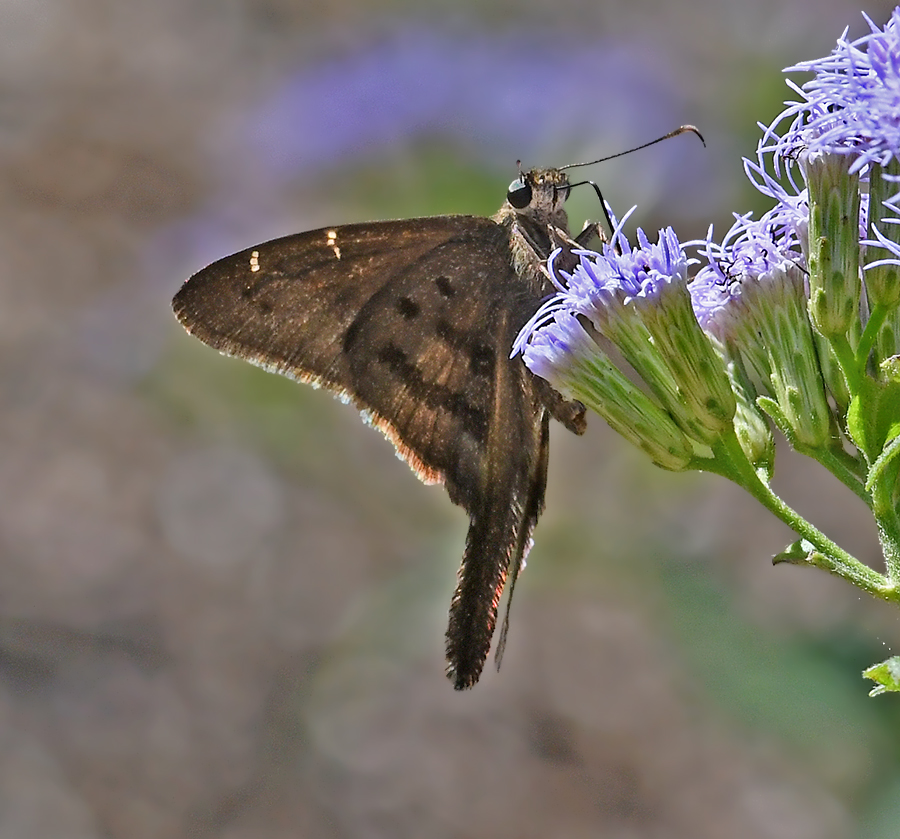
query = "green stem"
x=846 y=468
x=847 y=360
x=889 y=535
x=730 y=462
x=870 y=334
x=887 y=521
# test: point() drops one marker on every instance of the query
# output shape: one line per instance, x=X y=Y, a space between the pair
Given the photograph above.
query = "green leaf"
x=771 y=407
x=890 y=368
x=797 y=553
x=874 y=416
x=886 y=675
x=890 y=452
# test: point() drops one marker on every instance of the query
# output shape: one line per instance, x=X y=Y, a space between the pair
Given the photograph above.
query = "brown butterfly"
x=413 y=321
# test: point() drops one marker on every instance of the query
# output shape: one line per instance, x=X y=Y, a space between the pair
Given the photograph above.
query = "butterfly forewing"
x=413 y=321
x=288 y=303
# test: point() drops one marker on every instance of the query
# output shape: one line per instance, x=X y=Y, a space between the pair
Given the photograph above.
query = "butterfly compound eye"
x=519 y=193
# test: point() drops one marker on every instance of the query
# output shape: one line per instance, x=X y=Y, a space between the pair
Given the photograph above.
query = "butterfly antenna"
x=606 y=214
x=683 y=129
x=680 y=130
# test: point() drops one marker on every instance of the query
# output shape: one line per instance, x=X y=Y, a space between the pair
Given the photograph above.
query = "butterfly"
x=413 y=322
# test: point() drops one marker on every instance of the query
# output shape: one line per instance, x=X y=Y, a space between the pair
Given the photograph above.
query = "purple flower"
x=852 y=105
x=637 y=299
x=560 y=350
x=752 y=296
x=747 y=254
x=788 y=221
x=631 y=276
x=882 y=241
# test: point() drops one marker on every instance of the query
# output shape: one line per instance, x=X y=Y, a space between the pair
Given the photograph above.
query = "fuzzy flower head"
x=561 y=350
x=752 y=296
x=748 y=254
x=644 y=272
x=630 y=276
x=787 y=222
x=636 y=299
x=852 y=105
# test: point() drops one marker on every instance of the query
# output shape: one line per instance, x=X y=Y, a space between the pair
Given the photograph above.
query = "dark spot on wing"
x=352 y=334
x=444 y=286
x=444 y=330
x=250 y=293
x=481 y=360
x=408 y=308
x=394 y=357
x=431 y=394
x=481 y=356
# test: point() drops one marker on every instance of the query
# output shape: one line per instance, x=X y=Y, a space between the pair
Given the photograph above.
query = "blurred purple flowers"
x=511 y=94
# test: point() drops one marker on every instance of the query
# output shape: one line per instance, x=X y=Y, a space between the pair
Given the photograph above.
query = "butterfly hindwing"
x=413 y=321
x=439 y=366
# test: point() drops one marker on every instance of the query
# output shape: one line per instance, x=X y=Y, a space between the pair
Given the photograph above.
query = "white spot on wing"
x=254 y=261
x=331 y=242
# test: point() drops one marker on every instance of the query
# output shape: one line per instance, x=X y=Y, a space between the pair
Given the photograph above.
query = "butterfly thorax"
x=534 y=203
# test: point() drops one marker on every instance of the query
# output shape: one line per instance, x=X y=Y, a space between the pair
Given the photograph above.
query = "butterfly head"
x=540 y=194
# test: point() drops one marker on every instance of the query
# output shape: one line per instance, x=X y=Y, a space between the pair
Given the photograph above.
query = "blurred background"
x=223 y=599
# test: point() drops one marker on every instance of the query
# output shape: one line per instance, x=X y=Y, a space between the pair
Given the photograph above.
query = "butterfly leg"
x=590 y=230
x=567 y=260
x=570 y=413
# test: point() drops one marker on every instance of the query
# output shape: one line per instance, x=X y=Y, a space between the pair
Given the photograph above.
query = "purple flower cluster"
x=852 y=105
x=751 y=252
x=779 y=301
x=617 y=272
x=604 y=282
x=635 y=298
